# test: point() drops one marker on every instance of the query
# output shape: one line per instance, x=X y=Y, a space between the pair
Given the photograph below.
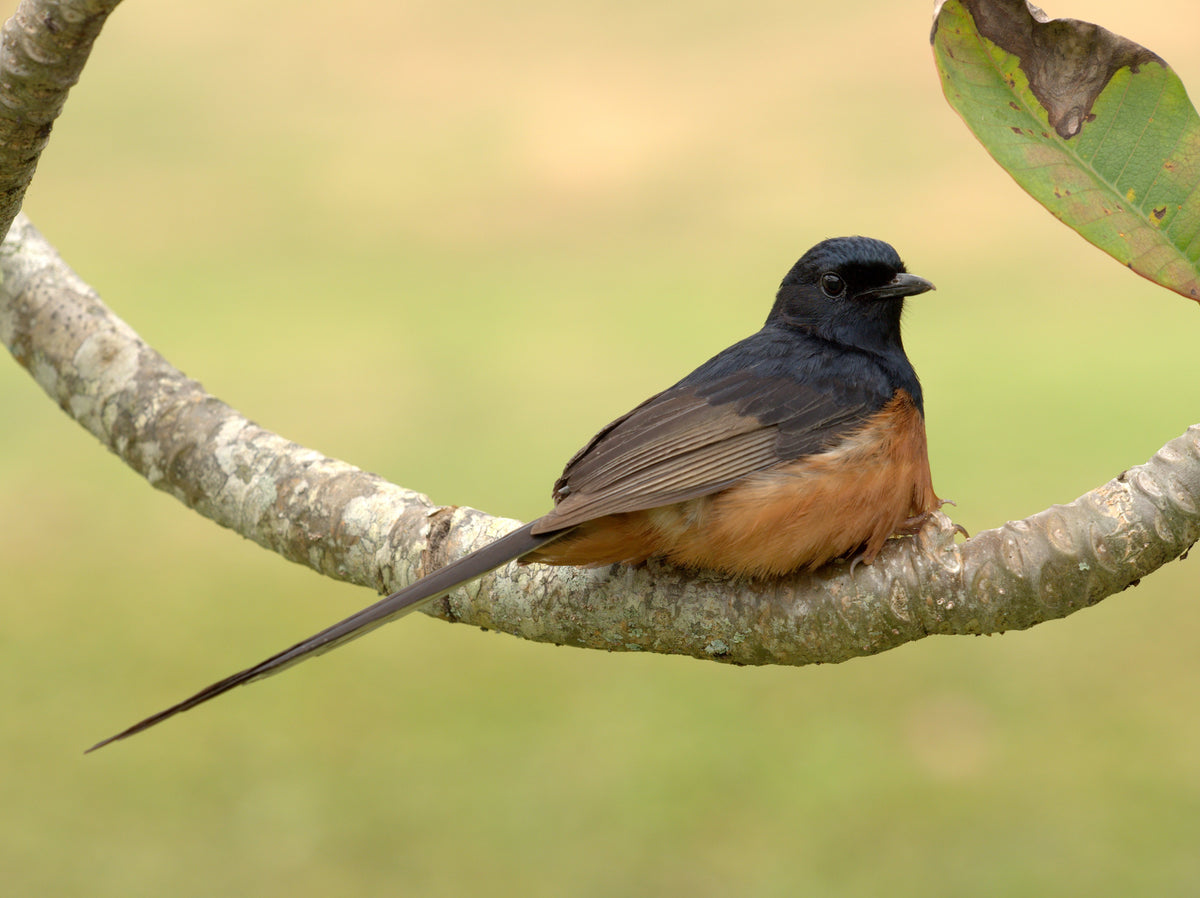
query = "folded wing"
x=688 y=442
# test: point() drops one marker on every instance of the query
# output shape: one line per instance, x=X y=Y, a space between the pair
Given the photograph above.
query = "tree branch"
x=356 y=526
x=43 y=48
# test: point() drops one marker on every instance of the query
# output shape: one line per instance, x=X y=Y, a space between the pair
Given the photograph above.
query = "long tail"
x=412 y=597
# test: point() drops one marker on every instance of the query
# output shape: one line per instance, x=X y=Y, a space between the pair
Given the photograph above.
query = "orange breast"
x=799 y=514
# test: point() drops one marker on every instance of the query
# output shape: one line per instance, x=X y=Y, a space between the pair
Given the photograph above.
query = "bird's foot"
x=912 y=526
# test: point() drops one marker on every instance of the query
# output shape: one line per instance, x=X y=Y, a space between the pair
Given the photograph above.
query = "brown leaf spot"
x=1160 y=213
x=1067 y=62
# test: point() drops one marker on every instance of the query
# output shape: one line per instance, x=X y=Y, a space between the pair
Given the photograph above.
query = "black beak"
x=903 y=284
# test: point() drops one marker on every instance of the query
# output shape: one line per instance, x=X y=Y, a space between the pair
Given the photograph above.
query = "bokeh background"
x=446 y=242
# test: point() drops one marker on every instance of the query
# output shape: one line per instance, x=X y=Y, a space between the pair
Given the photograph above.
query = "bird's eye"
x=832 y=285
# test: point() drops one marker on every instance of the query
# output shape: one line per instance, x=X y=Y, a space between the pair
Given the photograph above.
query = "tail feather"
x=412 y=597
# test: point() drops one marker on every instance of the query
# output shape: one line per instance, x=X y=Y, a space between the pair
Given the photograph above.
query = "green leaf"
x=1096 y=128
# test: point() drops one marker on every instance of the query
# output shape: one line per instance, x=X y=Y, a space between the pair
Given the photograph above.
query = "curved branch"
x=43 y=48
x=356 y=526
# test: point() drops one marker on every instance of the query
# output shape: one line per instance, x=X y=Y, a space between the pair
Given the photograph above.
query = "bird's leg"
x=912 y=526
x=908 y=527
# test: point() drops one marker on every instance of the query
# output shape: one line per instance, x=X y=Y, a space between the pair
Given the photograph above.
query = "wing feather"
x=692 y=441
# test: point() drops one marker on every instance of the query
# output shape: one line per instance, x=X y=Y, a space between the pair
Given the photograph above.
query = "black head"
x=848 y=290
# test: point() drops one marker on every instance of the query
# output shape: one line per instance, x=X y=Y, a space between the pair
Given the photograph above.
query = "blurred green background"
x=446 y=242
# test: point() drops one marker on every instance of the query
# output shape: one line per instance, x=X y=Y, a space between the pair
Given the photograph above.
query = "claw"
x=910 y=527
x=914 y=524
x=862 y=556
x=959 y=528
x=856 y=561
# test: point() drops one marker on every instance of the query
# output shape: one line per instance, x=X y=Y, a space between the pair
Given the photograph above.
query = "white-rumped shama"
x=800 y=444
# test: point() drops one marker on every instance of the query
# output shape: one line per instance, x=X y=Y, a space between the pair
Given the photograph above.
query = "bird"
x=800 y=444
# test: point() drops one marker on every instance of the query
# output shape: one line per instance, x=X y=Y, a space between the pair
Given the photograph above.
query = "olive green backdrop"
x=447 y=242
